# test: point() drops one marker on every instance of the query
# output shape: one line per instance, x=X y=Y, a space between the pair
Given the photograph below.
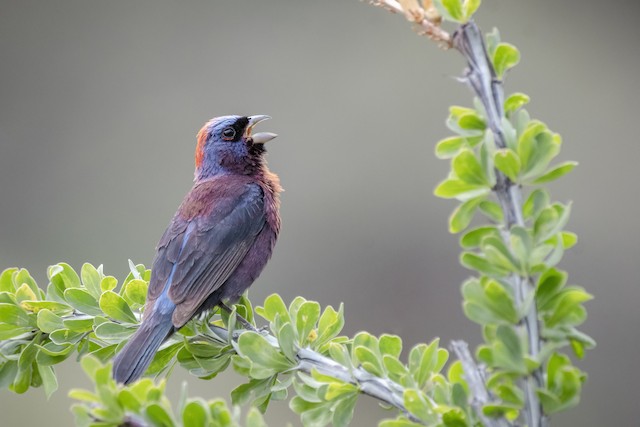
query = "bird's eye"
x=228 y=133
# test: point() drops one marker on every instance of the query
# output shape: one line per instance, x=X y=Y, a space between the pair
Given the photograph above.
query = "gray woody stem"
x=382 y=389
x=481 y=76
x=476 y=380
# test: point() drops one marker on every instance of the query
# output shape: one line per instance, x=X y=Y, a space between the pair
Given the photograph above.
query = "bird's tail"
x=136 y=356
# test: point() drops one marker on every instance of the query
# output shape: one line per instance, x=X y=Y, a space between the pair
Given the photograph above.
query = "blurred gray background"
x=100 y=102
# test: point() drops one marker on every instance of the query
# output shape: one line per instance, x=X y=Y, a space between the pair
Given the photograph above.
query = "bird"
x=218 y=241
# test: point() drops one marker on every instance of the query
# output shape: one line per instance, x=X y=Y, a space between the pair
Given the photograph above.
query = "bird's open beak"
x=261 y=137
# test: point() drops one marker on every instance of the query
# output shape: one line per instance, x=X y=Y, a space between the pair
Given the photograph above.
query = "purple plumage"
x=218 y=241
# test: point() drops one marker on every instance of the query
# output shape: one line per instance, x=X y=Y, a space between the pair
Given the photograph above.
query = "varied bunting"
x=216 y=244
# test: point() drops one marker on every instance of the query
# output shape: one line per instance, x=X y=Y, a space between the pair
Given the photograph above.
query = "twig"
x=477 y=386
x=424 y=25
x=133 y=421
x=481 y=76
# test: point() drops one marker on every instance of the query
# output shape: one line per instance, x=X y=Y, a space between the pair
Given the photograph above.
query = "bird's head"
x=227 y=145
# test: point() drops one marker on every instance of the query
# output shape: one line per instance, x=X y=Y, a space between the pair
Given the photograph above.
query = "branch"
x=380 y=388
x=427 y=22
x=481 y=76
x=475 y=377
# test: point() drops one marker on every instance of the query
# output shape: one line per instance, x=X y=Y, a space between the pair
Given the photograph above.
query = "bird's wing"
x=196 y=257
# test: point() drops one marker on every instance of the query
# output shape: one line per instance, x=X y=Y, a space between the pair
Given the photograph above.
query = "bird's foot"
x=244 y=322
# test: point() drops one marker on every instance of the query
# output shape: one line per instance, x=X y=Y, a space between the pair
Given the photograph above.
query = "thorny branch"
x=481 y=76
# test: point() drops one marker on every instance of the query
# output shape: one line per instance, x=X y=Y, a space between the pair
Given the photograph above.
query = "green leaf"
x=195 y=413
x=220 y=412
x=472 y=121
x=522 y=247
x=49 y=380
x=137 y=291
x=116 y=307
x=113 y=332
x=498 y=254
x=295 y=306
x=556 y=172
x=551 y=221
x=369 y=360
x=473 y=238
x=108 y=283
x=515 y=101
x=330 y=324
x=470 y=7
x=159 y=416
x=391 y=345
x=507 y=350
x=24 y=293
x=27 y=357
x=417 y=405
x=90 y=366
x=476 y=262
x=14 y=315
x=507 y=161
x=506 y=56
x=8 y=331
x=343 y=411
x=463 y=215
x=163 y=358
x=91 y=279
x=535 y=203
x=83 y=395
x=257 y=349
x=453 y=9
x=53 y=349
x=306 y=319
x=65 y=336
x=467 y=168
x=6 y=280
x=454 y=418
x=549 y=284
x=510 y=393
x=252 y=390
x=273 y=305
x=82 y=301
x=65 y=276
x=488 y=301
x=486 y=161
x=497 y=410
x=340 y=354
x=536 y=148
x=245 y=308
x=287 y=341
x=254 y=419
x=569 y=239
x=455 y=188
x=80 y=324
x=564 y=384
x=37 y=306
x=449 y=147
x=49 y=321
x=566 y=305
x=394 y=367
x=492 y=210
